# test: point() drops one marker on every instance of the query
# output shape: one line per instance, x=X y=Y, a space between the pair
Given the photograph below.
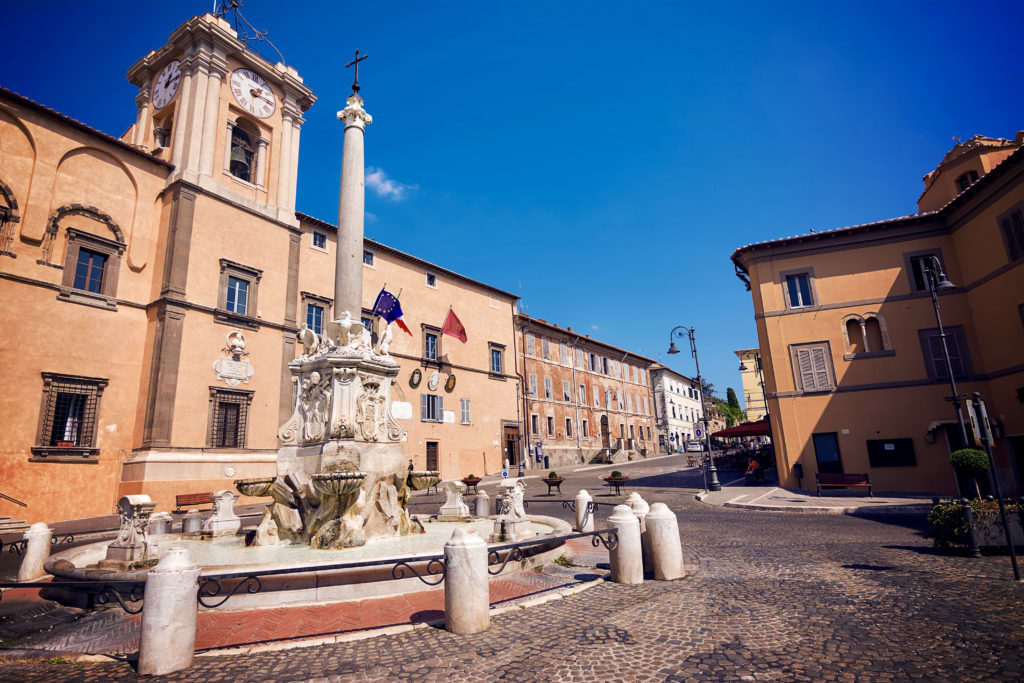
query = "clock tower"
x=226 y=118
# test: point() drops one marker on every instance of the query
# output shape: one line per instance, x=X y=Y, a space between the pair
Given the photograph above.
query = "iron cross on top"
x=355 y=62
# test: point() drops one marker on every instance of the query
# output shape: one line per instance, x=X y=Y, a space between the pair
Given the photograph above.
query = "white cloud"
x=594 y=327
x=378 y=181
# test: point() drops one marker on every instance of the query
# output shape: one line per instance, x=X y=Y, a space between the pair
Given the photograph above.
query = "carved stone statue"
x=132 y=543
x=454 y=508
x=309 y=339
x=385 y=341
x=512 y=524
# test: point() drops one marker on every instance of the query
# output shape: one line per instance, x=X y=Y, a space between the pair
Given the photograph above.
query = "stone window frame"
x=493 y=347
x=430 y=279
x=812 y=287
x=568 y=427
x=436 y=331
x=825 y=348
x=112 y=249
x=908 y=267
x=534 y=423
x=549 y=422
x=87 y=451
x=373 y=258
x=251 y=275
x=886 y=349
x=219 y=396
x=585 y=428
x=1014 y=252
x=313 y=234
x=465 y=414
x=308 y=299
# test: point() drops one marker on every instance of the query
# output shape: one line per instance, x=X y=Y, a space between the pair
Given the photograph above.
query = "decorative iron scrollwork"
x=493 y=557
x=610 y=543
x=135 y=594
x=211 y=587
x=435 y=567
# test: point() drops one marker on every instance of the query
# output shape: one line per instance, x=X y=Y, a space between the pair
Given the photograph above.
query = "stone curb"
x=923 y=508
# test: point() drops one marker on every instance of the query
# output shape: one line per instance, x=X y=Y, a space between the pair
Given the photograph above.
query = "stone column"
x=259 y=178
x=170 y=604
x=467 y=606
x=284 y=157
x=212 y=111
x=348 y=273
x=627 y=557
x=293 y=178
x=181 y=116
x=584 y=521
x=196 y=119
x=483 y=504
x=142 y=101
x=36 y=552
x=227 y=146
x=663 y=541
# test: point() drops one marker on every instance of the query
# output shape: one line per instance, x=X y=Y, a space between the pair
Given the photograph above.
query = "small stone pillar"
x=160 y=523
x=640 y=508
x=483 y=504
x=454 y=508
x=627 y=557
x=168 y=636
x=467 y=594
x=192 y=522
x=584 y=517
x=223 y=521
x=663 y=542
x=36 y=552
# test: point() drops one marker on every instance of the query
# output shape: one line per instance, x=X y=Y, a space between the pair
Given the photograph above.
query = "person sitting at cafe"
x=754 y=471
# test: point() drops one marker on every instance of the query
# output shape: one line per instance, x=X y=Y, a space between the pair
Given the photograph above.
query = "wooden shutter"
x=440 y=408
x=820 y=363
x=423 y=407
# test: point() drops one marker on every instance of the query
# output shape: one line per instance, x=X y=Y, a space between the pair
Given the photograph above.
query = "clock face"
x=253 y=93
x=165 y=86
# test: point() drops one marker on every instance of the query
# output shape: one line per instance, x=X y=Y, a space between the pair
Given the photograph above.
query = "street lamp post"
x=681 y=331
x=937 y=282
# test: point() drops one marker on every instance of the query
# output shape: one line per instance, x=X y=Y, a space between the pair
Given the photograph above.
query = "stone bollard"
x=192 y=522
x=160 y=523
x=467 y=594
x=663 y=542
x=584 y=516
x=36 y=552
x=169 y=611
x=627 y=558
x=483 y=503
x=640 y=508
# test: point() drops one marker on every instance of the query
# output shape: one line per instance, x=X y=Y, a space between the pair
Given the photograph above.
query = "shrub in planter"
x=972 y=462
x=615 y=474
x=552 y=475
x=949 y=528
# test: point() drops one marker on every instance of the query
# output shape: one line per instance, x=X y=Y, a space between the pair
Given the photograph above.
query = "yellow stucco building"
x=152 y=287
x=853 y=363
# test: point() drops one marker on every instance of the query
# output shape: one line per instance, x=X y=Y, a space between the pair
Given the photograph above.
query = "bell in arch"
x=240 y=163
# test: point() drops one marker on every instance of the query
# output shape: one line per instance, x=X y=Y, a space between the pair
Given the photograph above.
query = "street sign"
x=697 y=432
x=504 y=473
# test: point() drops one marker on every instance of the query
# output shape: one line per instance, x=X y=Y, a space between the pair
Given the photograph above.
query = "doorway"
x=606 y=440
x=432 y=456
x=512 y=453
x=826 y=450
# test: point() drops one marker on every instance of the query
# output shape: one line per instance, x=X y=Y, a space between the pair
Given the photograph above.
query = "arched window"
x=855 y=335
x=242 y=154
x=873 y=334
x=966 y=180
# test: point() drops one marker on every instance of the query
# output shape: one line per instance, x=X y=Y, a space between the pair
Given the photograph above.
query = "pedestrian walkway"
x=735 y=494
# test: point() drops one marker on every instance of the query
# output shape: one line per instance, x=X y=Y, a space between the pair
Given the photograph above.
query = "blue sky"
x=601 y=160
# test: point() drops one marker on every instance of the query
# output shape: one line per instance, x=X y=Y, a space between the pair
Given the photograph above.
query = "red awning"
x=747 y=429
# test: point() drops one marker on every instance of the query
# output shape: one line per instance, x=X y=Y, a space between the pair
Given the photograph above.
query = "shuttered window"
x=1012 y=225
x=464 y=410
x=431 y=408
x=529 y=345
x=566 y=393
x=546 y=347
x=547 y=387
x=533 y=385
x=935 y=361
x=812 y=367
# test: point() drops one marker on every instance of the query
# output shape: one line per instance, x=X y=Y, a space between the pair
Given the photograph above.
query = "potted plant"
x=553 y=481
x=616 y=476
x=471 y=480
x=972 y=462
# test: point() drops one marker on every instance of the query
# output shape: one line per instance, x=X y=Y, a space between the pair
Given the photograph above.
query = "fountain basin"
x=306 y=583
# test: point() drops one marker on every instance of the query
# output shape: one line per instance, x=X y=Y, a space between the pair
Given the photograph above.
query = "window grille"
x=229 y=415
x=69 y=419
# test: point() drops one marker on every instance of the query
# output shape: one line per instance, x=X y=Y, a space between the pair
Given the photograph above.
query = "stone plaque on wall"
x=233 y=366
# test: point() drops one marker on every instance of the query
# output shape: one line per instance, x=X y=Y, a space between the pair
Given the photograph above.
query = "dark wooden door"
x=606 y=440
x=826 y=450
x=432 y=456
x=512 y=445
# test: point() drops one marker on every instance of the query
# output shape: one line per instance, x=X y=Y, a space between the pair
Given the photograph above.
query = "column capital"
x=354 y=114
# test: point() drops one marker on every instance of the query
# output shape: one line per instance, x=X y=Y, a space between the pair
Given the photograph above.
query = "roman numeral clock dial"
x=253 y=93
x=165 y=86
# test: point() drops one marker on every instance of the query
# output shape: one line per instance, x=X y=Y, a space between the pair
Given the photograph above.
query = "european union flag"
x=387 y=307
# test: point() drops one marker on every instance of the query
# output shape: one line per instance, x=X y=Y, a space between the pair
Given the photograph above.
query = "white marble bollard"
x=467 y=593
x=627 y=557
x=640 y=508
x=584 y=521
x=169 y=615
x=192 y=522
x=663 y=541
x=483 y=504
x=36 y=552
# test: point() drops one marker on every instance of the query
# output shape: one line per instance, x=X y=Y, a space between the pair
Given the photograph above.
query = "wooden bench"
x=842 y=481
x=192 y=499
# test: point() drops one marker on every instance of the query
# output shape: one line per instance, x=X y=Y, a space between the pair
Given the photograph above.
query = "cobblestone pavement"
x=773 y=596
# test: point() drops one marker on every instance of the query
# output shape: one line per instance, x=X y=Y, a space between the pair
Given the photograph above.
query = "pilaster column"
x=259 y=178
x=142 y=101
x=284 y=173
x=196 y=117
x=348 y=273
x=293 y=180
x=227 y=146
x=207 y=152
x=181 y=116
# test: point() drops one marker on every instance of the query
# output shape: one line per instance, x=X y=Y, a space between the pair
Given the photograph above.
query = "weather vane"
x=355 y=62
x=243 y=27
